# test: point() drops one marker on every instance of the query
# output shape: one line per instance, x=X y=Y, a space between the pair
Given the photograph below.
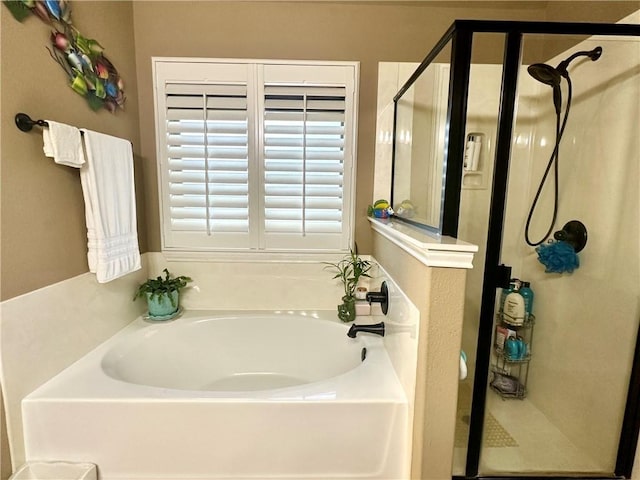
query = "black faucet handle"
x=375 y=297
x=381 y=297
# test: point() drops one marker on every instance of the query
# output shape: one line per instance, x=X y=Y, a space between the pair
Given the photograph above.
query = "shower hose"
x=554 y=156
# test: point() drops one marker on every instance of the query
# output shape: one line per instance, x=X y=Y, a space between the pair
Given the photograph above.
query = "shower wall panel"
x=587 y=321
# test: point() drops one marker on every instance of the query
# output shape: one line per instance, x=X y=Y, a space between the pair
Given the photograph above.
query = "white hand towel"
x=63 y=143
x=110 y=206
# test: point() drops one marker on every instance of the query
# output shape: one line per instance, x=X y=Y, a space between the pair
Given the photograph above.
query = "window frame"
x=164 y=70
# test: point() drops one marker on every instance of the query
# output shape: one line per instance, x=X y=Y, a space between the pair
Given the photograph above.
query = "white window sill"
x=251 y=256
x=430 y=249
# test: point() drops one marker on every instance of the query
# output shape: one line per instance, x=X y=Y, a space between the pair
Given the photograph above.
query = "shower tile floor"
x=539 y=445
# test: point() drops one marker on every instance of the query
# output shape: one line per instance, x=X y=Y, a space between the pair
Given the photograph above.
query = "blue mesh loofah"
x=558 y=257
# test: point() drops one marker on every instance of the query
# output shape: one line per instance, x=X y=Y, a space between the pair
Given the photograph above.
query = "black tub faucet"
x=377 y=328
x=381 y=297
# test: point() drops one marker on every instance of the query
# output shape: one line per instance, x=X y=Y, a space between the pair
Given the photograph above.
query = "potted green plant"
x=162 y=294
x=349 y=270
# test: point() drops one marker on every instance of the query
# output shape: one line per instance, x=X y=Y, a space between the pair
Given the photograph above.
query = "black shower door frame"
x=460 y=34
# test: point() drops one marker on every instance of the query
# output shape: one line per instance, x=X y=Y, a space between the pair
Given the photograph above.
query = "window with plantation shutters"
x=255 y=157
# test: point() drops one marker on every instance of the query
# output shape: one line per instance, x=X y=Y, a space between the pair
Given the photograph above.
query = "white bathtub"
x=227 y=396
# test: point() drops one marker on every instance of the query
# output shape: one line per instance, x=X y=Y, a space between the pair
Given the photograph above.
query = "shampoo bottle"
x=527 y=294
x=513 y=312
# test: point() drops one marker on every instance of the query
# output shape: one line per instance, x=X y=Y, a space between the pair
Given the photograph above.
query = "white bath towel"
x=110 y=206
x=63 y=143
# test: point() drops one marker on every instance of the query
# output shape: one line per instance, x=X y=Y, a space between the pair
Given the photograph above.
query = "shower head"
x=549 y=76
x=552 y=76
x=545 y=74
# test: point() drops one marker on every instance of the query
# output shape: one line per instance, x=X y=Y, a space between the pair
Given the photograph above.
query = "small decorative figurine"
x=380 y=209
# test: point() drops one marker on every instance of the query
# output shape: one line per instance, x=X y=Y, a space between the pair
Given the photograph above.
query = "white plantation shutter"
x=304 y=159
x=208 y=167
x=252 y=164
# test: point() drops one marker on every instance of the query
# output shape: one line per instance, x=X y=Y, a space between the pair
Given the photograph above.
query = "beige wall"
x=439 y=295
x=42 y=211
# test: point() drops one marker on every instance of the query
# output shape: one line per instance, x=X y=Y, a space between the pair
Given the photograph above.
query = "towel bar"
x=25 y=123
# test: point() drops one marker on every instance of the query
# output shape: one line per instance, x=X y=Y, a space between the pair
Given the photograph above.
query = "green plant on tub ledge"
x=349 y=270
x=163 y=295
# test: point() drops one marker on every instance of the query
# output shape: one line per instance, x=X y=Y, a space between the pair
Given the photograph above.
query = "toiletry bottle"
x=472 y=152
x=468 y=152
x=513 y=311
x=527 y=294
x=477 y=147
x=505 y=292
x=501 y=337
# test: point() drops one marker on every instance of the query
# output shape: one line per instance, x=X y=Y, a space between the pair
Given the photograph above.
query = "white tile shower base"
x=542 y=448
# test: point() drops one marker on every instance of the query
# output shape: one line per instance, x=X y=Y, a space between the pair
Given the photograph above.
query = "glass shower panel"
x=419 y=147
x=569 y=365
x=480 y=139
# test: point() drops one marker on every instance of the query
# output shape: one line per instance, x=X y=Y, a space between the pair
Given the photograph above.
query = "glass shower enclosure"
x=554 y=384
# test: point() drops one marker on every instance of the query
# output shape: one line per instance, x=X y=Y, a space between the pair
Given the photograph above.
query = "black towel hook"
x=25 y=123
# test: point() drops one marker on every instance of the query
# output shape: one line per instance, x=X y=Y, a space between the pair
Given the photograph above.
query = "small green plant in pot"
x=162 y=294
x=349 y=270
